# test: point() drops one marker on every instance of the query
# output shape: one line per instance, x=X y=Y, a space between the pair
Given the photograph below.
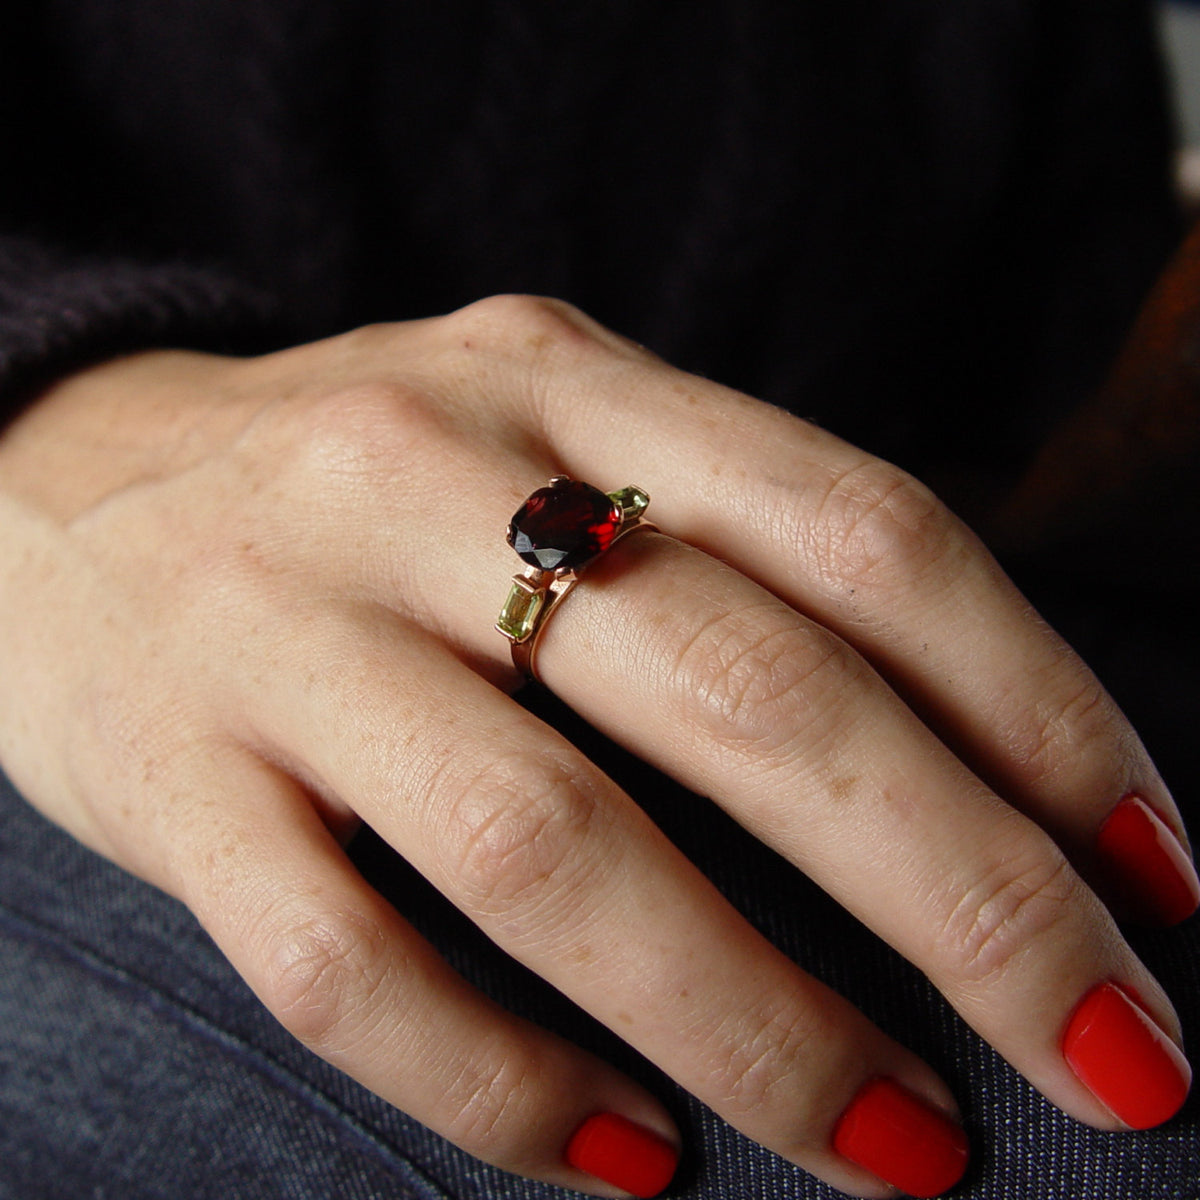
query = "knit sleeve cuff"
x=58 y=314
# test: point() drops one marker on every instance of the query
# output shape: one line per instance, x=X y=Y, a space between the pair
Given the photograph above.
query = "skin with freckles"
x=248 y=604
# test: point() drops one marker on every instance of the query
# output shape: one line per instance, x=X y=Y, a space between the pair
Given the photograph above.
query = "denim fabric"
x=135 y=1065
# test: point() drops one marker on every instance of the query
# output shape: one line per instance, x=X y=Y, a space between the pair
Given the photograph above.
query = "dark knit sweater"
x=924 y=224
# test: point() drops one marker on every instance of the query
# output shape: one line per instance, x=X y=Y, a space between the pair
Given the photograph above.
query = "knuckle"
x=537 y=334
x=489 y=1101
x=1014 y=909
x=764 y=1053
x=323 y=972
x=879 y=526
x=515 y=322
x=754 y=682
x=1061 y=729
x=369 y=429
x=518 y=837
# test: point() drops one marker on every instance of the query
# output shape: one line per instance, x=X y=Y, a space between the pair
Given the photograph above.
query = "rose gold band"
x=555 y=591
x=567 y=524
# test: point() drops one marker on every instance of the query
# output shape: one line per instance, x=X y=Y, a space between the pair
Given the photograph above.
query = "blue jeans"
x=136 y=1065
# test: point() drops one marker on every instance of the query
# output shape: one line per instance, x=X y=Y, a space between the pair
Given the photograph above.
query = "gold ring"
x=558 y=531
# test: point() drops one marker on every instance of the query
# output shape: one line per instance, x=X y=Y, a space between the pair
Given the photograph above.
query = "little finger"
x=357 y=984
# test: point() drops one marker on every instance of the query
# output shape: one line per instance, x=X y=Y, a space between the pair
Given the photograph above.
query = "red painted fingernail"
x=627 y=1155
x=902 y=1139
x=1118 y=1050
x=1147 y=865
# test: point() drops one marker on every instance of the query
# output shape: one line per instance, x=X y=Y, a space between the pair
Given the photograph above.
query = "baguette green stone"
x=519 y=615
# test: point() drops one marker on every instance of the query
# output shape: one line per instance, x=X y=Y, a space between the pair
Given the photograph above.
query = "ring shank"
x=524 y=651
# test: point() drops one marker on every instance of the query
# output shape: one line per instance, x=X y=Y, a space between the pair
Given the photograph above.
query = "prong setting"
x=558 y=531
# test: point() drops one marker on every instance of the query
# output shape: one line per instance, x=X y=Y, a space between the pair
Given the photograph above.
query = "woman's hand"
x=247 y=604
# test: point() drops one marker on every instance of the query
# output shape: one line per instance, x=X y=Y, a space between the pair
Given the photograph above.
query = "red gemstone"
x=563 y=526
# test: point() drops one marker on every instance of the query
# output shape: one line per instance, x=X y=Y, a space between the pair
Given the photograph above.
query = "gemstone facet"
x=563 y=526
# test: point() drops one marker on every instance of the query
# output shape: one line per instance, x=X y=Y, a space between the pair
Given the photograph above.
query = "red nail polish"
x=902 y=1139
x=1147 y=864
x=1130 y=1065
x=628 y=1156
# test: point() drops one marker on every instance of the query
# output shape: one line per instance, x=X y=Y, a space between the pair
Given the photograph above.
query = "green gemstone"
x=519 y=615
x=632 y=501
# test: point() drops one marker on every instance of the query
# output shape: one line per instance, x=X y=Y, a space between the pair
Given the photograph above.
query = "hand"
x=247 y=604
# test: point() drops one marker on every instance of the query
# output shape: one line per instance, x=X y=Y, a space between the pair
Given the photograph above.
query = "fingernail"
x=1147 y=865
x=902 y=1139
x=1124 y=1058
x=627 y=1155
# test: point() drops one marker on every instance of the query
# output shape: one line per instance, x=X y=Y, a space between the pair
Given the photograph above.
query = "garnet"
x=562 y=526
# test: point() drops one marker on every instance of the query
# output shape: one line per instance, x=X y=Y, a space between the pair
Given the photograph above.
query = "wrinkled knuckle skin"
x=323 y=972
x=753 y=683
x=760 y=1070
x=518 y=835
x=1051 y=738
x=877 y=526
x=489 y=1103
x=1020 y=905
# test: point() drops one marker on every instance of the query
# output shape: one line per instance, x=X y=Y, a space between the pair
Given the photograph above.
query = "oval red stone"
x=563 y=526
